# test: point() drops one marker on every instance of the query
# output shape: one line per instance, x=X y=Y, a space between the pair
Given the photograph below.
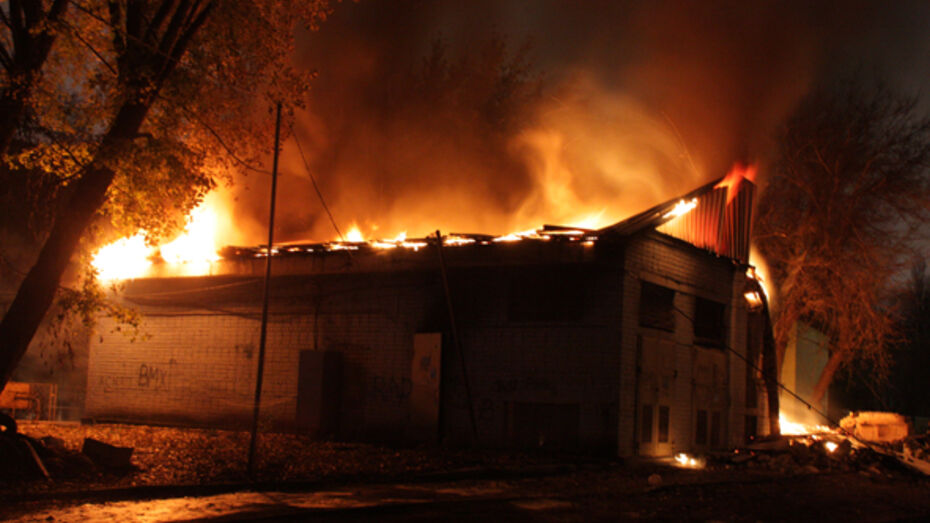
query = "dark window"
x=645 y=429
x=700 y=431
x=715 y=429
x=548 y=294
x=663 y=424
x=709 y=323
x=656 y=306
x=752 y=428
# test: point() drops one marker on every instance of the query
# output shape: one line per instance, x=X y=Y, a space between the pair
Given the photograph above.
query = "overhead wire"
x=316 y=187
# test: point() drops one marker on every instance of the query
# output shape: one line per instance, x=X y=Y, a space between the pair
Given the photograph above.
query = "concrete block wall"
x=691 y=273
x=560 y=364
x=199 y=367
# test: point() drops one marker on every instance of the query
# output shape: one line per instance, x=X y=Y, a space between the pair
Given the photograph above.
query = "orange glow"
x=191 y=253
x=758 y=270
x=354 y=234
x=123 y=259
x=794 y=428
x=684 y=460
x=735 y=177
x=681 y=208
x=516 y=236
x=195 y=248
x=753 y=299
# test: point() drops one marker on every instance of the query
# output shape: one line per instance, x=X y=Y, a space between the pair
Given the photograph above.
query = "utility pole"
x=264 y=329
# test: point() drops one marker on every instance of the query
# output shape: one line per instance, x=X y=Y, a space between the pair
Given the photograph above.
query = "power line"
x=315 y=186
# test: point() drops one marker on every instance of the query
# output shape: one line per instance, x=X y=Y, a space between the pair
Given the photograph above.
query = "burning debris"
x=874 y=443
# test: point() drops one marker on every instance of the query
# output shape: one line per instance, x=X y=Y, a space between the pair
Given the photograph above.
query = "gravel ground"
x=186 y=456
x=358 y=482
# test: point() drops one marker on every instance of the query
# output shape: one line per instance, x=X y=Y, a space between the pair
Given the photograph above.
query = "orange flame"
x=123 y=259
x=735 y=177
x=190 y=253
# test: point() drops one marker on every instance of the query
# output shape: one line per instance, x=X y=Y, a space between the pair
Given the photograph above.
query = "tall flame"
x=190 y=253
x=125 y=258
x=735 y=177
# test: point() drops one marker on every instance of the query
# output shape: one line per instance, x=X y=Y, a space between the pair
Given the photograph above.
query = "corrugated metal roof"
x=713 y=224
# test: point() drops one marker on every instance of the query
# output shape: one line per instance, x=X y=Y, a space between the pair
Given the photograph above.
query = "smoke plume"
x=489 y=116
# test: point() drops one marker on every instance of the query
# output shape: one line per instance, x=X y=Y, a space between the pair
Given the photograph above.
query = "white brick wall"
x=690 y=272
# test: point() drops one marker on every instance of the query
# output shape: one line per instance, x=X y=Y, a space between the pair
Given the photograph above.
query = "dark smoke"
x=492 y=116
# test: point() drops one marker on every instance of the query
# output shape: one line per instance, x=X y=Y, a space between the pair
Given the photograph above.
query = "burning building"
x=638 y=338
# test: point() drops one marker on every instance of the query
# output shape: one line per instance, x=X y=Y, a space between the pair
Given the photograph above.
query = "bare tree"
x=846 y=194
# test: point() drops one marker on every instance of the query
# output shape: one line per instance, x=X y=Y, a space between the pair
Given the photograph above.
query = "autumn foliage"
x=124 y=114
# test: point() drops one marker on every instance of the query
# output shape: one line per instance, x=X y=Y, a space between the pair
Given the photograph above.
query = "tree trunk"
x=12 y=110
x=826 y=377
x=37 y=290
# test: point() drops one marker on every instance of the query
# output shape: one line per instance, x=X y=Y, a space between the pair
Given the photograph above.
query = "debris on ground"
x=196 y=456
x=875 y=427
x=871 y=443
x=107 y=455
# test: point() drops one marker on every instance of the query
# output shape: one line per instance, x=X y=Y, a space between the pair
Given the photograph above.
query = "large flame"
x=123 y=259
x=190 y=253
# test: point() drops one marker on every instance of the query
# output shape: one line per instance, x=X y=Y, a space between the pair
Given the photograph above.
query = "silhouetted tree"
x=847 y=191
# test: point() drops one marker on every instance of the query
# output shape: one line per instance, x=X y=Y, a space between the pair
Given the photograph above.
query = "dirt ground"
x=184 y=475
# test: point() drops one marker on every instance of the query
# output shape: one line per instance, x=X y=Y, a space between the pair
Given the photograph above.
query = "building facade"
x=628 y=340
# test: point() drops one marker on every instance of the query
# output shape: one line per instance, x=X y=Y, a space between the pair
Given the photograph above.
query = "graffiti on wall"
x=146 y=378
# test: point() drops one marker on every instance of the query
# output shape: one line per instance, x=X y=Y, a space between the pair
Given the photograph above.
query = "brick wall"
x=527 y=375
x=691 y=273
x=198 y=366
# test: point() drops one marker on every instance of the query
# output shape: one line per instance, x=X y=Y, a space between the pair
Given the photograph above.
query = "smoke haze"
x=488 y=116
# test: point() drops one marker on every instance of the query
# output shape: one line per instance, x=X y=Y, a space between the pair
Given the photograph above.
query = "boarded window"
x=709 y=323
x=663 y=424
x=645 y=429
x=656 y=307
x=700 y=430
x=556 y=293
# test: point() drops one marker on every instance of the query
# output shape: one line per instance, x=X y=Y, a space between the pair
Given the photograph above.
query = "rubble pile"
x=873 y=443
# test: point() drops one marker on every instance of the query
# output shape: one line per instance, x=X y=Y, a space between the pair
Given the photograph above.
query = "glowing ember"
x=684 y=460
x=516 y=236
x=681 y=208
x=125 y=258
x=793 y=428
x=455 y=241
x=753 y=299
x=830 y=446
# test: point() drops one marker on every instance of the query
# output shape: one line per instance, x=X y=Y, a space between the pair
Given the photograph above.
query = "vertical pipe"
x=264 y=329
x=455 y=337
